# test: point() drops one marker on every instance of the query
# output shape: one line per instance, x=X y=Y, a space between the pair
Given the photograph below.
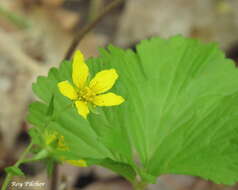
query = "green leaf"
x=43 y=154
x=50 y=110
x=15 y=171
x=36 y=138
x=37 y=114
x=124 y=170
x=180 y=112
x=180 y=115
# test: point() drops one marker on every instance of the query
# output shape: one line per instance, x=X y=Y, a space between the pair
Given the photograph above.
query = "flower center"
x=86 y=94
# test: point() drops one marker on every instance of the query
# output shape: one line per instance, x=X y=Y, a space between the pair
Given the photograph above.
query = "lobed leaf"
x=179 y=117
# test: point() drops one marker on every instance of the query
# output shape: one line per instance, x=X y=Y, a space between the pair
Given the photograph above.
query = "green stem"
x=19 y=21
x=24 y=154
x=139 y=186
x=17 y=164
x=54 y=177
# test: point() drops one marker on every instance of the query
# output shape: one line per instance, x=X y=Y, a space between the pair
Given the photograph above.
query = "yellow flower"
x=84 y=93
x=64 y=147
x=80 y=163
x=50 y=137
x=54 y=136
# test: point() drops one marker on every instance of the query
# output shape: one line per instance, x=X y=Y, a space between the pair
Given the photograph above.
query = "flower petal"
x=82 y=108
x=79 y=69
x=61 y=143
x=50 y=137
x=67 y=90
x=109 y=99
x=103 y=81
x=80 y=163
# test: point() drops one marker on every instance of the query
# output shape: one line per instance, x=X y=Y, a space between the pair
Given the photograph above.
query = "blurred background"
x=36 y=34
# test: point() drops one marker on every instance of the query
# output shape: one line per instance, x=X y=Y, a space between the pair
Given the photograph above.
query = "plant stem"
x=89 y=27
x=54 y=178
x=23 y=160
x=17 y=164
x=139 y=186
x=95 y=9
x=19 y=21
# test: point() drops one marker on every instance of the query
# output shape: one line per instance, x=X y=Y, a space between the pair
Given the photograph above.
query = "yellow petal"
x=109 y=99
x=79 y=70
x=67 y=90
x=82 y=108
x=80 y=163
x=103 y=81
x=61 y=144
x=50 y=137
